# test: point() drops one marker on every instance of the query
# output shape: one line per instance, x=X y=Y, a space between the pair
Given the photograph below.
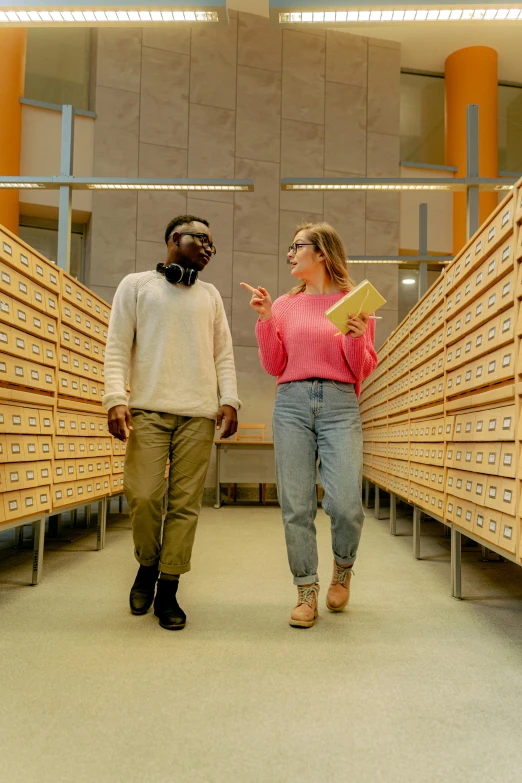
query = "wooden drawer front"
x=462 y=512
x=487 y=524
x=431 y=392
x=83 y=299
x=490 y=368
x=12 y=505
x=427 y=475
x=499 y=297
x=20 y=344
x=500 y=226
x=118 y=447
x=75 y=341
x=483 y=277
x=428 y=453
x=22 y=372
x=500 y=494
x=47 y=274
x=431 y=430
x=84 y=322
x=507 y=462
x=102 y=485
x=22 y=475
x=64 y=470
x=495 y=424
x=14 y=254
x=397 y=485
x=427 y=371
x=427 y=348
x=486 y=457
x=466 y=485
x=13 y=419
x=399 y=387
x=427 y=498
x=64 y=494
x=509 y=533
x=27 y=319
x=482 y=340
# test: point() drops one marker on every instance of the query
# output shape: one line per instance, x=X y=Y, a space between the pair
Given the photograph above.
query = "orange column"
x=12 y=46
x=471 y=77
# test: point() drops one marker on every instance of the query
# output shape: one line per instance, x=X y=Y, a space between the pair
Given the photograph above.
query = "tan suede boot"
x=306 y=611
x=339 y=591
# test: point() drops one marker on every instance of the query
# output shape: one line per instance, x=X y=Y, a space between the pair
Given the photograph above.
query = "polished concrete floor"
x=408 y=685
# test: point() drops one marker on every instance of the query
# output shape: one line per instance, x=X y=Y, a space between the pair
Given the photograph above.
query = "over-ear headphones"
x=175 y=273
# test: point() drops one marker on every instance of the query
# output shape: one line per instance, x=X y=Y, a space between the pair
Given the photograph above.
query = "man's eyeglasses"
x=203 y=238
x=295 y=247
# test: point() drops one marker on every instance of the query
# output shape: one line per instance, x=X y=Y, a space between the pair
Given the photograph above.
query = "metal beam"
x=423 y=248
x=65 y=200
x=472 y=132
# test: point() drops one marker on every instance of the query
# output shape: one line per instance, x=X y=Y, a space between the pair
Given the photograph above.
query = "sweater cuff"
x=232 y=401
x=355 y=348
x=116 y=398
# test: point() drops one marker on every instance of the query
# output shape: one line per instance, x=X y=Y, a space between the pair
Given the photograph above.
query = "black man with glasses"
x=169 y=335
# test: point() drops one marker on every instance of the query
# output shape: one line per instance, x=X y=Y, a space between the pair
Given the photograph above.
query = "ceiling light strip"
x=138 y=186
x=117 y=15
x=362 y=186
x=413 y=15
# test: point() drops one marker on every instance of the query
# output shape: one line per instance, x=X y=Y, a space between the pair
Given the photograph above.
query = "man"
x=169 y=329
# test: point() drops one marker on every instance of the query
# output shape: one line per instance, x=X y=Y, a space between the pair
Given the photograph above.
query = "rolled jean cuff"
x=305 y=580
x=143 y=562
x=174 y=569
x=344 y=561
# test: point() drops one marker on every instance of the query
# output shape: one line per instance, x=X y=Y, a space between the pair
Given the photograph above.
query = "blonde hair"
x=329 y=243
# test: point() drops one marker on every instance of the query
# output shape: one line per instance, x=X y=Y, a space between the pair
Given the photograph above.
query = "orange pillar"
x=471 y=77
x=12 y=46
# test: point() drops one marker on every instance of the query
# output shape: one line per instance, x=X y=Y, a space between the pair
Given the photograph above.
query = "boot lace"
x=307 y=595
x=341 y=575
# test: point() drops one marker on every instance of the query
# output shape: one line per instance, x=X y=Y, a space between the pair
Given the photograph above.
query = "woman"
x=319 y=373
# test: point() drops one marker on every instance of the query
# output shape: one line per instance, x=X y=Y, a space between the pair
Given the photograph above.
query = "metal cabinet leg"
x=367 y=493
x=456 y=564
x=377 y=504
x=88 y=515
x=39 y=536
x=484 y=557
x=393 y=514
x=416 y=532
x=120 y=504
x=102 y=523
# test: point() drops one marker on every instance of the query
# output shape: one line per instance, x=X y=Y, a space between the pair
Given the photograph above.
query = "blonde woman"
x=319 y=374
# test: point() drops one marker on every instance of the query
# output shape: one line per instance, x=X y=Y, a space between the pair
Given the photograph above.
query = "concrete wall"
x=246 y=101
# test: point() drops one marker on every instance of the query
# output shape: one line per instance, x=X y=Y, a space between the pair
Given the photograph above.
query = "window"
x=42 y=235
x=509 y=128
x=57 y=66
x=422 y=118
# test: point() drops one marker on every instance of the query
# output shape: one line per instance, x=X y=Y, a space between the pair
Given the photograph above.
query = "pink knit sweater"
x=299 y=342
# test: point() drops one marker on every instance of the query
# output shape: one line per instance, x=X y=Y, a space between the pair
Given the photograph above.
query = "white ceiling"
x=425 y=46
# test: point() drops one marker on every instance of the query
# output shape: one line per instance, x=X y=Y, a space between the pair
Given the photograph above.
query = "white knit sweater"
x=176 y=343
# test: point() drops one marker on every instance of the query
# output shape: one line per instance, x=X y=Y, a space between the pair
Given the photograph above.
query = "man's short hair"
x=182 y=220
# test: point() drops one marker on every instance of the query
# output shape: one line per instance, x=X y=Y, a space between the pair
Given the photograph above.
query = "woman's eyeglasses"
x=203 y=238
x=295 y=247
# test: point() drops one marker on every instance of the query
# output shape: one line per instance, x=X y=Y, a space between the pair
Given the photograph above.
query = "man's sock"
x=169 y=577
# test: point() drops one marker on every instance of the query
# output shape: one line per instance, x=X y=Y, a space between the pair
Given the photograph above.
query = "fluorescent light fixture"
x=120 y=183
x=409 y=281
x=105 y=13
x=397 y=184
x=292 y=12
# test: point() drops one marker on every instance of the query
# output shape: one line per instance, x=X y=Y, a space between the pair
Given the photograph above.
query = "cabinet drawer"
x=463 y=513
x=15 y=255
x=500 y=494
x=64 y=494
x=30 y=320
x=12 y=505
x=500 y=226
x=495 y=424
x=47 y=274
x=487 y=524
x=507 y=461
x=509 y=533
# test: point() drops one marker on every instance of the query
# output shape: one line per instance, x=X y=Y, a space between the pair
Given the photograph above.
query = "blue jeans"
x=314 y=418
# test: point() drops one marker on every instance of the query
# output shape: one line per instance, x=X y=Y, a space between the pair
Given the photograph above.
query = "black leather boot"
x=142 y=591
x=166 y=606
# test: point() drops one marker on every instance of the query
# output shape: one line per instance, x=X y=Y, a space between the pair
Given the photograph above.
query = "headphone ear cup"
x=190 y=276
x=174 y=273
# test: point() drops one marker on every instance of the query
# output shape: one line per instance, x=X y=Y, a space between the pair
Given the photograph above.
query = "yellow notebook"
x=364 y=298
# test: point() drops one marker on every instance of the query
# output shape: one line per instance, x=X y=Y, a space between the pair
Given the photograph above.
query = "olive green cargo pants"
x=154 y=438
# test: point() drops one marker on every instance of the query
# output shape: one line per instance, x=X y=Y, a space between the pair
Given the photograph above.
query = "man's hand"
x=229 y=414
x=119 y=421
